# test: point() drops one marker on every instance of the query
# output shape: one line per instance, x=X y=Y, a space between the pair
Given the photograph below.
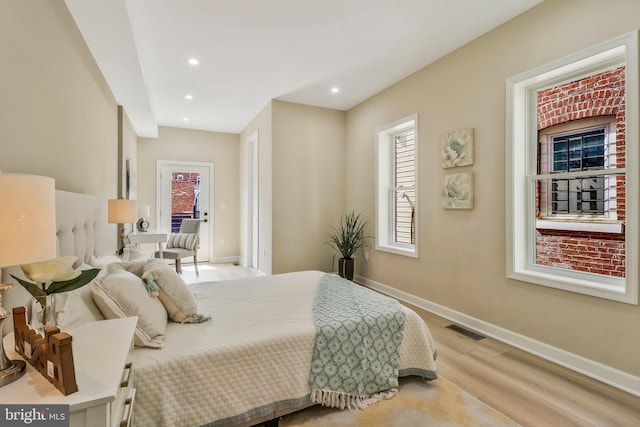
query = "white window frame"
x=385 y=240
x=521 y=157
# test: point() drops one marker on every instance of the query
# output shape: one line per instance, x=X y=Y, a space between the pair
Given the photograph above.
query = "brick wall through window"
x=598 y=95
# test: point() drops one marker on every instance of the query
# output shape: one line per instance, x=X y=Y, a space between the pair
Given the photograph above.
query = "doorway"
x=252 y=201
x=184 y=190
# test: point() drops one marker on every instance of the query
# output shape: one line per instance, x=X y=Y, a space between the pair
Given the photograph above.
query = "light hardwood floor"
x=528 y=389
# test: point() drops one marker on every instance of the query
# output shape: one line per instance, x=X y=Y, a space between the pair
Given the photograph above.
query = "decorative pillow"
x=154 y=263
x=182 y=240
x=174 y=294
x=123 y=294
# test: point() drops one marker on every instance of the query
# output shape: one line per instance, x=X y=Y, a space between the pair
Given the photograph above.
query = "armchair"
x=184 y=244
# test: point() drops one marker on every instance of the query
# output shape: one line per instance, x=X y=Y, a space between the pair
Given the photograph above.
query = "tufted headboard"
x=81 y=229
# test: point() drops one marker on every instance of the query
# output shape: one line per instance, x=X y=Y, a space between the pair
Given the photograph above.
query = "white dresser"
x=102 y=355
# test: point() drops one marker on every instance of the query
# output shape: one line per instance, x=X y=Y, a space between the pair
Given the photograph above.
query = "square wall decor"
x=457 y=191
x=457 y=148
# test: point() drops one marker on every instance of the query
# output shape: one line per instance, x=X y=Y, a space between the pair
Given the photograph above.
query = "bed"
x=250 y=362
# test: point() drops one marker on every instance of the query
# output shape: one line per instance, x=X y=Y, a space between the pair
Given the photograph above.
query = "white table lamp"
x=28 y=233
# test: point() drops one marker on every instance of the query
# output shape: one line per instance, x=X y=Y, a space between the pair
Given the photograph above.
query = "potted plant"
x=347 y=239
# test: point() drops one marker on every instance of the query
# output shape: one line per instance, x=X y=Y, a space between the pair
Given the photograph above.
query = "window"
x=577 y=195
x=572 y=172
x=397 y=173
x=569 y=150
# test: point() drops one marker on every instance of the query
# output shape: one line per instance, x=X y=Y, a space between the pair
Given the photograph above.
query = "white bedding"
x=252 y=360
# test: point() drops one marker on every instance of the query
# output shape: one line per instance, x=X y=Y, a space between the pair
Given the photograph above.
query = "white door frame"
x=210 y=218
x=252 y=202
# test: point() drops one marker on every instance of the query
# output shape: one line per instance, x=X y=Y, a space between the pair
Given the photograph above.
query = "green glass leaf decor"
x=40 y=295
x=69 y=285
x=33 y=289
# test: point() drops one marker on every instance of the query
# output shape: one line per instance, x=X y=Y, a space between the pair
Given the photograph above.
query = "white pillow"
x=136 y=268
x=174 y=294
x=75 y=308
x=123 y=294
x=103 y=261
x=134 y=255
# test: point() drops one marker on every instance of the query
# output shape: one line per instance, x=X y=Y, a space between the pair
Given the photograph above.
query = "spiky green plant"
x=348 y=236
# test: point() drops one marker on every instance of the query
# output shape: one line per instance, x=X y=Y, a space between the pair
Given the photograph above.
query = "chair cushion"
x=175 y=253
x=182 y=240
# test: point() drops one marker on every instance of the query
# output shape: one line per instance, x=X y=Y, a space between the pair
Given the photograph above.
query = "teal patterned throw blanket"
x=357 y=349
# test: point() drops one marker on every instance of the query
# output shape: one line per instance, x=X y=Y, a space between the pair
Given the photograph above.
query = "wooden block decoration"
x=52 y=355
x=38 y=352
x=26 y=342
x=19 y=328
x=60 y=361
x=48 y=332
x=48 y=372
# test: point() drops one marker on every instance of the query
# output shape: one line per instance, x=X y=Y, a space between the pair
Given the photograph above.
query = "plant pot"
x=345 y=268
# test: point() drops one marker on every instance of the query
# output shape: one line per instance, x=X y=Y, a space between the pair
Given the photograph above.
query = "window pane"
x=579 y=196
x=405 y=216
x=584 y=151
x=404 y=191
x=185 y=198
x=593 y=252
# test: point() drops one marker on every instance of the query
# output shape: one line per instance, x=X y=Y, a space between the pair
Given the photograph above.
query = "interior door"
x=184 y=191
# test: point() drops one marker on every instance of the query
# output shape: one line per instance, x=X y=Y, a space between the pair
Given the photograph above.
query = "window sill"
x=611 y=288
x=615 y=227
x=409 y=252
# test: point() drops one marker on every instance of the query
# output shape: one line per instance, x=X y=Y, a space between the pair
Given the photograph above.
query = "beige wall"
x=308 y=184
x=187 y=145
x=462 y=253
x=301 y=185
x=58 y=117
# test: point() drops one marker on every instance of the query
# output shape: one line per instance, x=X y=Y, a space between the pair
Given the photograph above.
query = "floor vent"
x=465 y=332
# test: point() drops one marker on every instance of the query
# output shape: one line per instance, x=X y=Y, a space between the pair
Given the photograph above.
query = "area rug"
x=438 y=403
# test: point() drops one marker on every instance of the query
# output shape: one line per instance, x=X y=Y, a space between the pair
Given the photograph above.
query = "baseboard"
x=227 y=259
x=608 y=375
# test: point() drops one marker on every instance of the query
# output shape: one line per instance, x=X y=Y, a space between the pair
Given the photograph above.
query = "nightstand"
x=102 y=354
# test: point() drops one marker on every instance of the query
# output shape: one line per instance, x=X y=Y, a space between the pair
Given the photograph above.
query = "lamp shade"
x=122 y=211
x=27 y=219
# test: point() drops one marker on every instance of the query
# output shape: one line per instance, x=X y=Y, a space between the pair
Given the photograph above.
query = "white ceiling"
x=252 y=51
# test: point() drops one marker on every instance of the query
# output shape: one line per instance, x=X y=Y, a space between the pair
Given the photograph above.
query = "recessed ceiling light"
x=194 y=61
x=335 y=90
x=186 y=119
x=187 y=96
